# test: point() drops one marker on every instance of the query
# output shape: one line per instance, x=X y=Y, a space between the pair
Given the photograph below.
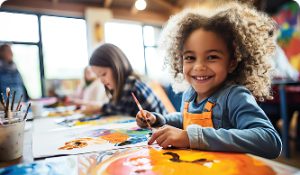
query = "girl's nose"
x=199 y=66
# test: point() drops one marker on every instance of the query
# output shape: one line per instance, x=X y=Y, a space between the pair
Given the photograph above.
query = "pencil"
x=141 y=109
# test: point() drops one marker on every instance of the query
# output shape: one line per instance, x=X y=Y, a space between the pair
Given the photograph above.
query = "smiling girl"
x=224 y=56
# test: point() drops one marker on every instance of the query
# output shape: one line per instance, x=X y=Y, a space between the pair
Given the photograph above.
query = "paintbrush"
x=7 y=92
x=18 y=106
x=27 y=111
x=2 y=100
x=7 y=102
x=141 y=110
x=13 y=101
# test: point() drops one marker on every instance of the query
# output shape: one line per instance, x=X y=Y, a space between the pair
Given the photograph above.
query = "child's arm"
x=173 y=119
x=158 y=120
x=166 y=135
x=251 y=131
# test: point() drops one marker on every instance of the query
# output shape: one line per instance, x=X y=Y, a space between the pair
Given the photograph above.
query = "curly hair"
x=248 y=34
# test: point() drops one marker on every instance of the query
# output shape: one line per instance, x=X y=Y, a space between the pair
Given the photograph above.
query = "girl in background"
x=90 y=90
x=114 y=70
x=224 y=55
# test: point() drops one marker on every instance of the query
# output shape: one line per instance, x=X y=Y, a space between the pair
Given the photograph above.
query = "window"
x=139 y=43
x=151 y=35
x=64 y=46
x=154 y=61
x=18 y=27
x=129 y=40
x=26 y=58
x=22 y=31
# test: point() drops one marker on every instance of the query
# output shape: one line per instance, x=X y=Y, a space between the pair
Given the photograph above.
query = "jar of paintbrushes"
x=12 y=122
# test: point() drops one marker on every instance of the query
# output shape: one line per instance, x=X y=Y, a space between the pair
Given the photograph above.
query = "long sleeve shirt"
x=127 y=106
x=240 y=125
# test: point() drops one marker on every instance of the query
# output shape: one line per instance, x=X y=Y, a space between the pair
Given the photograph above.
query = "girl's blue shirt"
x=240 y=125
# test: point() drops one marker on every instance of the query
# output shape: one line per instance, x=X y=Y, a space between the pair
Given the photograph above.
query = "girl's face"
x=7 y=54
x=89 y=74
x=206 y=62
x=106 y=76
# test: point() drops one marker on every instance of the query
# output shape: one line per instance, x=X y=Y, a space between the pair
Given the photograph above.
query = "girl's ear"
x=232 y=66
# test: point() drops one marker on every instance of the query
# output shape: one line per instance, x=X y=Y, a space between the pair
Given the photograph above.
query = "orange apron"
x=204 y=119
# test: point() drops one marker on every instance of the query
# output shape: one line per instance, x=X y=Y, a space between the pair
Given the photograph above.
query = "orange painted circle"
x=150 y=161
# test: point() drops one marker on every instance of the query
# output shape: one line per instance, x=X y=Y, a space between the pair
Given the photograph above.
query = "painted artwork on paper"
x=177 y=162
x=66 y=165
x=153 y=160
x=83 y=140
x=289 y=31
x=117 y=137
x=79 y=120
x=95 y=120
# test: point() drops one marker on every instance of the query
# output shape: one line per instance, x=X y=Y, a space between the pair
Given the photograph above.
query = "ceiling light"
x=140 y=4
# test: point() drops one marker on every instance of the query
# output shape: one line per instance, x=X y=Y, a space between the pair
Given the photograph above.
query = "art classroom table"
x=282 y=84
x=28 y=158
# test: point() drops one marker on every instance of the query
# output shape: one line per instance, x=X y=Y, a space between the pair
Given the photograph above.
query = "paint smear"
x=80 y=143
x=116 y=137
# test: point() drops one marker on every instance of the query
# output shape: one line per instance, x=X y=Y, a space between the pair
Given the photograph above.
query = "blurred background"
x=52 y=41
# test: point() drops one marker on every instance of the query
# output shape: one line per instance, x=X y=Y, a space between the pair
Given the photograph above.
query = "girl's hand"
x=90 y=109
x=167 y=136
x=141 y=121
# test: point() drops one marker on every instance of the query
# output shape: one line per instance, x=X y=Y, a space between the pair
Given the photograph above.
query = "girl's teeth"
x=201 y=78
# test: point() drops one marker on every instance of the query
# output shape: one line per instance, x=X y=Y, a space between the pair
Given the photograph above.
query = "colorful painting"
x=88 y=139
x=77 y=121
x=153 y=160
x=66 y=165
x=177 y=162
x=288 y=19
x=95 y=120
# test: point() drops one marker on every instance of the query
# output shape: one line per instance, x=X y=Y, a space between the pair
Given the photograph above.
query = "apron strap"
x=208 y=106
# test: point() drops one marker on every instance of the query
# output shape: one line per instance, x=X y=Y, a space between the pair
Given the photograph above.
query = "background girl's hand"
x=167 y=136
x=140 y=119
x=90 y=109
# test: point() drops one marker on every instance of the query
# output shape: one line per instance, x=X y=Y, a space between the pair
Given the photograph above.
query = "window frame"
x=39 y=44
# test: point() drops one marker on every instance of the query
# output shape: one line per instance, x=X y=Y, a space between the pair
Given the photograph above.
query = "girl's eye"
x=212 y=57
x=188 y=58
x=103 y=74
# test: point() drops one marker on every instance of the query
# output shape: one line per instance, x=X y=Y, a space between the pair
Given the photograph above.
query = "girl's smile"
x=206 y=62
